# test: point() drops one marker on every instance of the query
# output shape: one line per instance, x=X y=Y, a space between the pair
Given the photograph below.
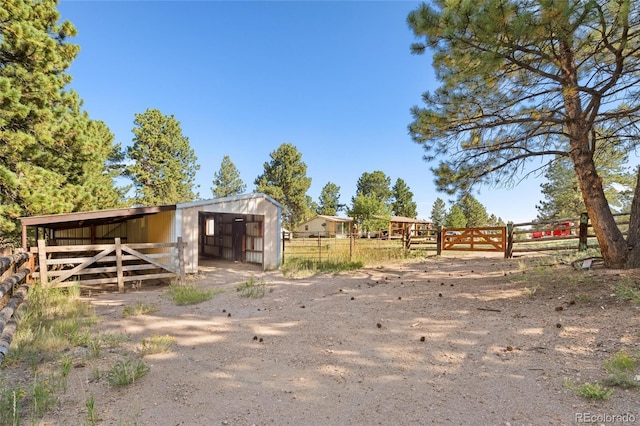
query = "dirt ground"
x=450 y=340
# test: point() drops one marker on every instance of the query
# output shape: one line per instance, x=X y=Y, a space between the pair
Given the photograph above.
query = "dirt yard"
x=467 y=340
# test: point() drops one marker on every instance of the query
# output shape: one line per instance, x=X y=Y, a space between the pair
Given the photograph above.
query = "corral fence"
x=537 y=236
x=575 y=233
x=15 y=272
x=109 y=264
x=321 y=248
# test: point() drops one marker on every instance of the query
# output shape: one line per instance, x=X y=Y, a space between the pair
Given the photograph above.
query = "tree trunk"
x=633 y=234
x=612 y=244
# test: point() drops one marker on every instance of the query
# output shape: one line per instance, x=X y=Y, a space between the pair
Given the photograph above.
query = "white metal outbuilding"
x=244 y=228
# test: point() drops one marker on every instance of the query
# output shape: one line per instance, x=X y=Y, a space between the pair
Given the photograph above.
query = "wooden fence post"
x=283 y=246
x=319 y=249
x=119 y=272
x=508 y=250
x=351 y=241
x=42 y=260
x=439 y=241
x=584 y=232
x=181 y=245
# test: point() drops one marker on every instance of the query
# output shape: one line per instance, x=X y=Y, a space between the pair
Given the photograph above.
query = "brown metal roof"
x=98 y=217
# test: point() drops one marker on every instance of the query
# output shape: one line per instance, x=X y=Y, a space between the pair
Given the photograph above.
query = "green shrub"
x=622 y=370
x=590 y=391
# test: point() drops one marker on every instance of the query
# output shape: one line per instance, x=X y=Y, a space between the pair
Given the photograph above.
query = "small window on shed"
x=306 y=227
x=210 y=227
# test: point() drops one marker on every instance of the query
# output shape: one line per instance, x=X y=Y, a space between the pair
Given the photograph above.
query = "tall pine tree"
x=164 y=164
x=525 y=81
x=375 y=184
x=438 y=213
x=474 y=211
x=402 y=203
x=53 y=157
x=285 y=180
x=561 y=191
x=226 y=181
x=329 y=200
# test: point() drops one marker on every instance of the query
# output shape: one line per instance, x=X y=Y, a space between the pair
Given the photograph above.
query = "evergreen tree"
x=495 y=221
x=375 y=184
x=474 y=211
x=438 y=213
x=455 y=218
x=562 y=192
x=164 y=167
x=526 y=81
x=329 y=201
x=403 y=204
x=226 y=181
x=311 y=210
x=53 y=157
x=285 y=180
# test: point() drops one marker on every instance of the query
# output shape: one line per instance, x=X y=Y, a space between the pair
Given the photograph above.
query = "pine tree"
x=375 y=184
x=525 y=81
x=438 y=213
x=474 y=211
x=285 y=180
x=226 y=181
x=164 y=167
x=561 y=191
x=329 y=201
x=403 y=204
x=53 y=157
x=495 y=221
x=455 y=218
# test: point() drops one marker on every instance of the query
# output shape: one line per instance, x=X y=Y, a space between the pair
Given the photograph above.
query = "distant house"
x=399 y=226
x=336 y=226
x=325 y=226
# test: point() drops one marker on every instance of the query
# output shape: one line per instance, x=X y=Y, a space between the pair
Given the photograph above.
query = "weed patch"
x=628 y=289
x=138 y=309
x=124 y=373
x=622 y=370
x=300 y=266
x=157 y=344
x=252 y=288
x=190 y=294
x=589 y=390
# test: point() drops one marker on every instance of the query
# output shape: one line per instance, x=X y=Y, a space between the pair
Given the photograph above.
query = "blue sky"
x=334 y=78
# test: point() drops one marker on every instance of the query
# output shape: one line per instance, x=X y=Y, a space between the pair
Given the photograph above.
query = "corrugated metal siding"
x=82 y=236
x=254 y=242
x=160 y=229
x=137 y=230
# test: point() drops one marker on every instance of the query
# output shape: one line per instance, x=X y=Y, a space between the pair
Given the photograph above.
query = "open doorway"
x=230 y=236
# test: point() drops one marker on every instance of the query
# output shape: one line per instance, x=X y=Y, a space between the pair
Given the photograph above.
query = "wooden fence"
x=493 y=238
x=101 y=264
x=15 y=271
x=574 y=233
x=554 y=235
